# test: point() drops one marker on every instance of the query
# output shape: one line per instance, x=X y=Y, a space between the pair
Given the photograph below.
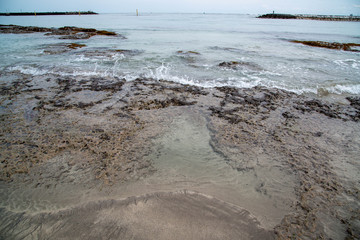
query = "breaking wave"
x=167 y=72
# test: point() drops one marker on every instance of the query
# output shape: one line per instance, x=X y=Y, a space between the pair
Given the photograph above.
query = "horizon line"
x=163 y=12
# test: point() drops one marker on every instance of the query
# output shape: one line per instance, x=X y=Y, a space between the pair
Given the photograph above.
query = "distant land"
x=312 y=17
x=46 y=13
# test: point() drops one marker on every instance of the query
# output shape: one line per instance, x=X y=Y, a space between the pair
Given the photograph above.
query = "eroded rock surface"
x=93 y=131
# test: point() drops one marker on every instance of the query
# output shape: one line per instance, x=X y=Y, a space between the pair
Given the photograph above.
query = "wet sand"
x=92 y=157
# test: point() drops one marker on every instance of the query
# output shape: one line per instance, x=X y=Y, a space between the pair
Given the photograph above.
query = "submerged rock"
x=62 y=47
x=106 y=33
x=240 y=64
x=70 y=32
x=66 y=32
x=188 y=56
x=330 y=45
x=188 y=52
x=75 y=45
x=127 y=52
x=229 y=64
x=108 y=53
x=55 y=48
x=20 y=29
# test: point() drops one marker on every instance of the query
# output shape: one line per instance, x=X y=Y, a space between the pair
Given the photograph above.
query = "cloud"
x=357 y=6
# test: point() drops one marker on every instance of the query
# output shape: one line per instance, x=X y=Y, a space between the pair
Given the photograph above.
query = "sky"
x=329 y=7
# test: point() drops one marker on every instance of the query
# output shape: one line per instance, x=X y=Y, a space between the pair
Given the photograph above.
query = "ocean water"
x=261 y=46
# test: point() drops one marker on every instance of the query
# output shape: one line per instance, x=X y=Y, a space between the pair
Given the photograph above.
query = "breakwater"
x=311 y=17
x=47 y=13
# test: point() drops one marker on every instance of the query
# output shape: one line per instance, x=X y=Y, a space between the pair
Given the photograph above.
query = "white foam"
x=353 y=63
x=111 y=71
x=164 y=72
x=341 y=89
x=248 y=80
x=82 y=58
x=29 y=70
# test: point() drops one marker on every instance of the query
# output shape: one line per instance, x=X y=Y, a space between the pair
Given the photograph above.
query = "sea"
x=189 y=49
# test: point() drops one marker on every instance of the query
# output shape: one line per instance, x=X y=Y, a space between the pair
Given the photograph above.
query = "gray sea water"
x=261 y=46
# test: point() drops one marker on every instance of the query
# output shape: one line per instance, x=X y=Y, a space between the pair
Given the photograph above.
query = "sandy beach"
x=84 y=157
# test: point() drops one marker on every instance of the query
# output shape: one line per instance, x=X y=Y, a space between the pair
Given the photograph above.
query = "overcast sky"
x=344 y=7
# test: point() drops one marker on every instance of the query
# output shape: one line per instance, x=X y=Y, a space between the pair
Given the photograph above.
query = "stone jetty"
x=311 y=17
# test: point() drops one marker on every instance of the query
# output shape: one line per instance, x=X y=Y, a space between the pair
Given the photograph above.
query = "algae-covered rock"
x=188 y=52
x=67 y=32
x=75 y=45
x=241 y=65
x=61 y=47
x=106 y=33
x=229 y=64
x=330 y=45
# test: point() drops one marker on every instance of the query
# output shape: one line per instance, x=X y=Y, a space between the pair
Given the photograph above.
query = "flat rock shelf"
x=92 y=150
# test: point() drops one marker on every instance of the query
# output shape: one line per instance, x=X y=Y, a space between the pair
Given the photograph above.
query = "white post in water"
x=137 y=12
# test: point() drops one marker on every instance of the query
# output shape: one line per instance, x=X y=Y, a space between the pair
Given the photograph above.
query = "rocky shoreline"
x=88 y=156
x=101 y=129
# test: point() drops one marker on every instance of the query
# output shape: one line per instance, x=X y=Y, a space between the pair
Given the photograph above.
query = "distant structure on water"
x=47 y=13
x=311 y=17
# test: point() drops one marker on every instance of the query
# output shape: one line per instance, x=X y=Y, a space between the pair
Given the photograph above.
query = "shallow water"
x=184 y=160
x=176 y=215
x=262 y=45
